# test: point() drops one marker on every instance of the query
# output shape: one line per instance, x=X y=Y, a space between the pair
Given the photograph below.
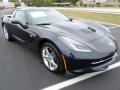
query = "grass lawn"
x=111 y=18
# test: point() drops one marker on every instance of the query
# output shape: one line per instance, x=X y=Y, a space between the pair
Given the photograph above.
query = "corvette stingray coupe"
x=64 y=44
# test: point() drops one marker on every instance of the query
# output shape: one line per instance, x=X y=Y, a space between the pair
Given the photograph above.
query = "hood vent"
x=91 y=29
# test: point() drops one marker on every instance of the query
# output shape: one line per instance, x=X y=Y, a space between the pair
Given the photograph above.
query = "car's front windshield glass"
x=45 y=16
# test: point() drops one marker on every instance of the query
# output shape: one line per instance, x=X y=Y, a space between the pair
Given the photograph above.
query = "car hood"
x=77 y=29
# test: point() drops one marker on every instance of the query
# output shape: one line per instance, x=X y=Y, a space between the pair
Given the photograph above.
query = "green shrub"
x=39 y=3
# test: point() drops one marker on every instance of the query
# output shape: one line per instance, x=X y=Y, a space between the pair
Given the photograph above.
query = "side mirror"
x=18 y=22
x=10 y=16
x=25 y=26
x=71 y=19
x=15 y=21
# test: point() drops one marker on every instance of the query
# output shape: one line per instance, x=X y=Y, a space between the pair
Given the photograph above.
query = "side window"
x=20 y=17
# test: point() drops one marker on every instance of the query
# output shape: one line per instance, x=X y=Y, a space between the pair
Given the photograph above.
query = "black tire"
x=60 y=68
x=5 y=30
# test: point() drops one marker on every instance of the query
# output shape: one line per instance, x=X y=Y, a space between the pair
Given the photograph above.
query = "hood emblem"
x=91 y=29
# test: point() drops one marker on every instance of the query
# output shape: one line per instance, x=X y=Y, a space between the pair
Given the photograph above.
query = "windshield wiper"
x=43 y=24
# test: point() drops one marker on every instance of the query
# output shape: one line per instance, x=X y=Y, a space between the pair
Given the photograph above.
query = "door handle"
x=33 y=36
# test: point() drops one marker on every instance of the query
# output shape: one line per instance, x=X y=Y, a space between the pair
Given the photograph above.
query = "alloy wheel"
x=49 y=58
x=5 y=33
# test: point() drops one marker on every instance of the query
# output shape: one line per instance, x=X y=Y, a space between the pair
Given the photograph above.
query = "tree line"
x=46 y=2
x=42 y=2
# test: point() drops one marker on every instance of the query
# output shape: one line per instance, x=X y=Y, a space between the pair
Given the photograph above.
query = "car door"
x=23 y=34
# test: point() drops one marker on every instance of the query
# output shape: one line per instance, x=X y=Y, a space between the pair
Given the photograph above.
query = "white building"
x=7 y=3
x=93 y=1
x=102 y=2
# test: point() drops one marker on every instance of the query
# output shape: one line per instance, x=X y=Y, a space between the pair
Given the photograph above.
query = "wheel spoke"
x=47 y=63
x=50 y=65
x=47 y=51
x=45 y=56
x=53 y=64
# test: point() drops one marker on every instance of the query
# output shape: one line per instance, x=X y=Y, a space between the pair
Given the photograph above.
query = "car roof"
x=32 y=8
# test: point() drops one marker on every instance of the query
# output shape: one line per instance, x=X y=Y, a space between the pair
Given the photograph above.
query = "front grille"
x=103 y=60
x=87 y=63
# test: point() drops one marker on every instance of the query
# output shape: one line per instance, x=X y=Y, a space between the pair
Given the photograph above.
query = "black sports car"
x=64 y=44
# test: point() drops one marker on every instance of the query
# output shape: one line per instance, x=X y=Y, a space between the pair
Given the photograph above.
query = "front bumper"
x=78 y=66
x=105 y=65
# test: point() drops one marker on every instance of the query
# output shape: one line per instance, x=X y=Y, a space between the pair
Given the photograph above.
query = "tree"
x=47 y=2
x=60 y=1
x=16 y=3
x=73 y=1
x=38 y=2
x=81 y=2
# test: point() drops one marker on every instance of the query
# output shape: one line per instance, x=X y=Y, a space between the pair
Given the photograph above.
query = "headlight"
x=74 y=44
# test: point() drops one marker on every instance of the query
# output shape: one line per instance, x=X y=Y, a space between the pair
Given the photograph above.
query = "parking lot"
x=21 y=69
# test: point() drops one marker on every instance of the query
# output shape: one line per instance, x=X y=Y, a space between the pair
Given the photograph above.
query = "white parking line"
x=79 y=78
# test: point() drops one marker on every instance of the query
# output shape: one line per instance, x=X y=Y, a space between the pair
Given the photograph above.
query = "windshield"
x=45 y=16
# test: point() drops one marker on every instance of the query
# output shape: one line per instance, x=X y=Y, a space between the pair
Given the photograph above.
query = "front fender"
x=48 y=35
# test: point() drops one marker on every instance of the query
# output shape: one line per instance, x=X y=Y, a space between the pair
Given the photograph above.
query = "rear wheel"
x=6 y=34
x=51 y=58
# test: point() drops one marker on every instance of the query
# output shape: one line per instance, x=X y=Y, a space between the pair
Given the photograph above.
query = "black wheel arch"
x=45 y=40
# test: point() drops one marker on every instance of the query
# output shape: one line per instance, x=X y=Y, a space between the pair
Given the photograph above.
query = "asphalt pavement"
x=21 y=69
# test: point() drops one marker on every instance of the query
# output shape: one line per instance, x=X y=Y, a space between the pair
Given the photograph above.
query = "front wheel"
x=51 y=58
